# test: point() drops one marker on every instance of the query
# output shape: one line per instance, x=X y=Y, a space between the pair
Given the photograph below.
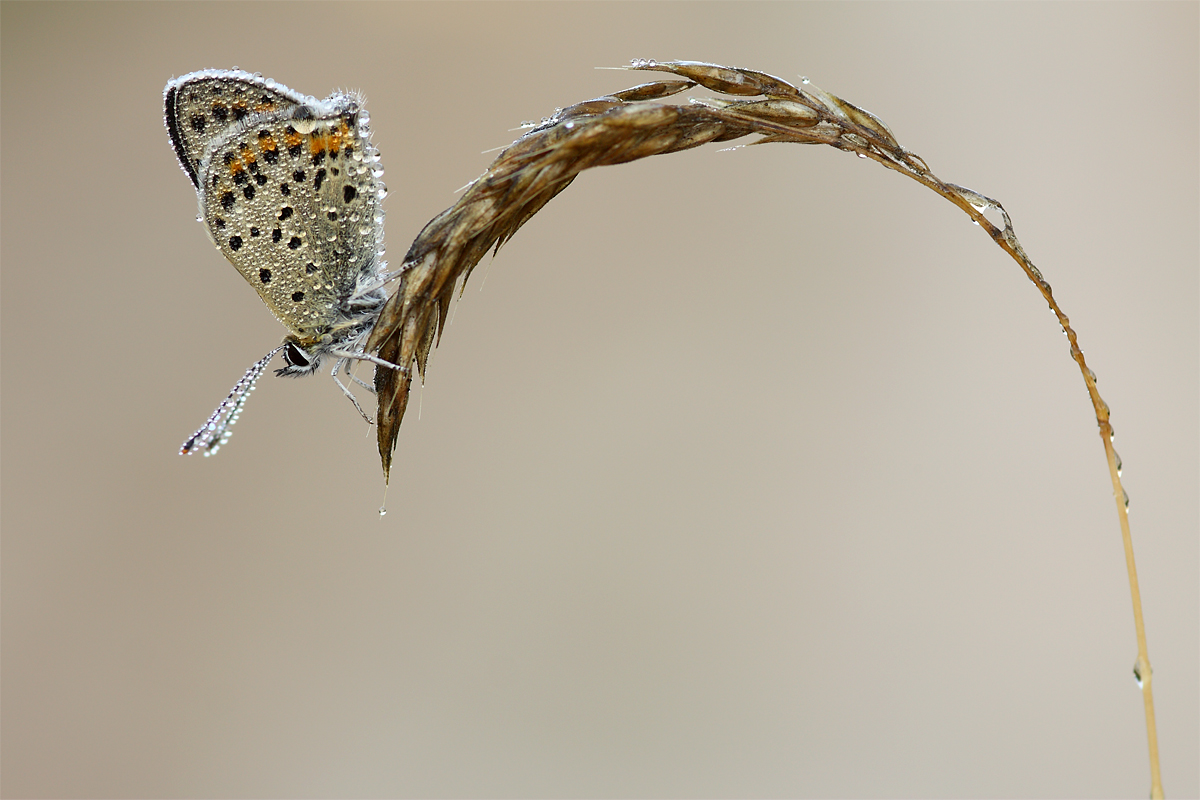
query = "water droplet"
x=382 y=511
x=1137 y=672
x=804 y=80
x=1125 y=499
x=1117 y=458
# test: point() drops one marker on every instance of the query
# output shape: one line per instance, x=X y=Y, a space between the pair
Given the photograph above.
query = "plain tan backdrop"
x=748 y=473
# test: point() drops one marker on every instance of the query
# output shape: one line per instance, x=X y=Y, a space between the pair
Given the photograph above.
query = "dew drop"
x=1117 y=458
x=1125 y=499
x=1137 y=673
x=804 y=80
x=382 y=512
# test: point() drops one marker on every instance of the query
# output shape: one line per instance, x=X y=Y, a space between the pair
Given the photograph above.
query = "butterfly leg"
x=340 y=363
x=379 y=362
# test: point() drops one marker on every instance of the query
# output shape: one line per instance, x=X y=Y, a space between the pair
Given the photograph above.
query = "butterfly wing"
x=200 y=106
x=293 y=199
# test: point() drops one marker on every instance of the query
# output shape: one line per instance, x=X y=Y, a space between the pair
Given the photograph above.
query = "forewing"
x=201 y=106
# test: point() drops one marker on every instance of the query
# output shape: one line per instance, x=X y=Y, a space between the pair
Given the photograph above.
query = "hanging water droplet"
x=1117 y=458
x=1092 y=375
x=1137 y=672
x=382 y=511
x=1125 y=499
x=804 y=80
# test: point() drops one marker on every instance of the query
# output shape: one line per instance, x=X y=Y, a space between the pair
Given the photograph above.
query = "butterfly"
x=290 y=192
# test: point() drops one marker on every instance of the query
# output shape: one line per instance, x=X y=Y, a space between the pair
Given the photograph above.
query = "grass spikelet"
x=627 y=126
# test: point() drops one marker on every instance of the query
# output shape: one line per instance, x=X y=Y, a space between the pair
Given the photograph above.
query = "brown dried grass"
x=627 y=126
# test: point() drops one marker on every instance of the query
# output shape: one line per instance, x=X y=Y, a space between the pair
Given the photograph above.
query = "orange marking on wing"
x=332 y=140
x=318 y=143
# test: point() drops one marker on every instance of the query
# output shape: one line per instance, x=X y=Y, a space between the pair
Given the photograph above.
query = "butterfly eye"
x=295 y=357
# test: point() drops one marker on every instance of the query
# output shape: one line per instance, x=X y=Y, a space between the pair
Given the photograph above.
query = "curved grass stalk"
x=627 y=126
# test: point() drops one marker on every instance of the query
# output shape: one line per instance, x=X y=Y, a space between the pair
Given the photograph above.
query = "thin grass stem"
x=627 y=126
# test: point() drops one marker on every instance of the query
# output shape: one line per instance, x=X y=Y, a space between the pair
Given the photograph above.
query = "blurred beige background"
x=749 y=473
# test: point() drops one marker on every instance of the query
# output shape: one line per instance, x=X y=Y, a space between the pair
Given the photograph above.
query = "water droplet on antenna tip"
x=804 y=80
x=382 y=511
